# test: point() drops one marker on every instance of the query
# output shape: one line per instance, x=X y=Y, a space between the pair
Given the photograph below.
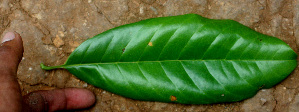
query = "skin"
x=11 y=100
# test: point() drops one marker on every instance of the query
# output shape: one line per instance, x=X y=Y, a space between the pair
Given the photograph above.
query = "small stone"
x=141 y=10
x=10 y=5
x=84 y=24
x=85 y=85
x=73 y=30
x=263 y=101
x=61 y=33
x=47 y=40
x=154 y=9
x=122 y=108
x=63 y=28
x=58 y=42
x=38 y=16
x=74 y=44
x=30 y=68
x=52 y=49
x=290 y=99
x=72 y=49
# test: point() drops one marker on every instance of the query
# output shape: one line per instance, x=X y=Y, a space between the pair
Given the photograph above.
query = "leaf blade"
x=185 y=59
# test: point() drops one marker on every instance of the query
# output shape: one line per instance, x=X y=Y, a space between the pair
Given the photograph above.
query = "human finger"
x=58 y=99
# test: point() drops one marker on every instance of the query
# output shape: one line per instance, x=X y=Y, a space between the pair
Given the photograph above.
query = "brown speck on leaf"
x=123 y=50
x=150 y=44
x=173 y=98
x=262 y=86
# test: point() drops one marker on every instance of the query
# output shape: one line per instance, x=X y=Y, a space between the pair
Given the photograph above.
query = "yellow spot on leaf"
x=173 y=98
x=150 y=44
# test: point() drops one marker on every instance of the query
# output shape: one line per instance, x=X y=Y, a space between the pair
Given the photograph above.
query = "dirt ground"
x=52 y=29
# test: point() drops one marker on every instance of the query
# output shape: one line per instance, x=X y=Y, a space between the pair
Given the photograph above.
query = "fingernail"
x=8 y=37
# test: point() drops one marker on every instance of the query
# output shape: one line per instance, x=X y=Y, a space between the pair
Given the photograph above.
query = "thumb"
x=11 y=52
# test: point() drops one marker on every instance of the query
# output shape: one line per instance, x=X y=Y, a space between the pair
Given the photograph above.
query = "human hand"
x=11 y=52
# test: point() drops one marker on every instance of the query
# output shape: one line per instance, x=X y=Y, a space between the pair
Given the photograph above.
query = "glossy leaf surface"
x=185 y=59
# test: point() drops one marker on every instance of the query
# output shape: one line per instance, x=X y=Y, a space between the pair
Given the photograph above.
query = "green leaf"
x=186 y=59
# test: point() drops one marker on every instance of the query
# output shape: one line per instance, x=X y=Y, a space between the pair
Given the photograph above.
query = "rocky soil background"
x=52 y=29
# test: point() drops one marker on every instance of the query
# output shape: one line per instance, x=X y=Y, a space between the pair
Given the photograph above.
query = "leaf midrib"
x=70 y=65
